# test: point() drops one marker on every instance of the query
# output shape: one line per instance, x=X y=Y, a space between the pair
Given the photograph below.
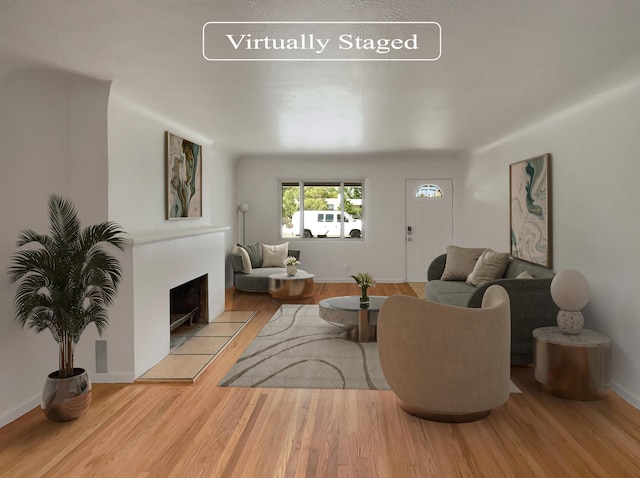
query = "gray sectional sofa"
x=531 y=302
x=256 y=280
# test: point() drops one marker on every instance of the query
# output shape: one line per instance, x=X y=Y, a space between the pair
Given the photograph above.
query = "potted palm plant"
x=66 y=281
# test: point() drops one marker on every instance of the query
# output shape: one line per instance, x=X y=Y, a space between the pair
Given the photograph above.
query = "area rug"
x=298 y=349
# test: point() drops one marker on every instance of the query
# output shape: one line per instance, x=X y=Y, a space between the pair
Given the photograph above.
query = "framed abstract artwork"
x=183 y=177
x=530 y=210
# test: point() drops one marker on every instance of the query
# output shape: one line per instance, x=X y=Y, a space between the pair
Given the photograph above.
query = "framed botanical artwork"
x=184 y=178
x=530 y=210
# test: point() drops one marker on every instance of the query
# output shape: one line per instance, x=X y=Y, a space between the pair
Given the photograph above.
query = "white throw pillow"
x=274 y=255
x=490 y=266
x=246 y=261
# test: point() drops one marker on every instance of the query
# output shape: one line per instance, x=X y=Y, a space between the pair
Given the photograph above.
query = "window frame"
x=339 y=213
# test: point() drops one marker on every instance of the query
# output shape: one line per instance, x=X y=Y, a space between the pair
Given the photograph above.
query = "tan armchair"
x=446 y=363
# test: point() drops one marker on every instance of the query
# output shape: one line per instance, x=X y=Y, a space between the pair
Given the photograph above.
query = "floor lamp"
x=243 y=208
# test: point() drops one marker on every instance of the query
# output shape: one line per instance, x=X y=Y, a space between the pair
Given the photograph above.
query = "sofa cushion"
x=449 y=292
x=460 y=262
x=255 y=253
x=274 y=255
x=244 y=255
x=490 y=266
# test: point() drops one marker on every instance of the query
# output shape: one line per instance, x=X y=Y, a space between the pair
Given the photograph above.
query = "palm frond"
x=27 y=236
x=104 y=271
x=34 y=261
x=108 y=232
x=65 y=226
x=97 y=315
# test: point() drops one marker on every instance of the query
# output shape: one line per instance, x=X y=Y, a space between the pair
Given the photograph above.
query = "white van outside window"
x=326 y=224
x=322 y=209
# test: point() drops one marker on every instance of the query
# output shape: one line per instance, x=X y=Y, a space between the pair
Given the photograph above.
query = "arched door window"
x=429 y=191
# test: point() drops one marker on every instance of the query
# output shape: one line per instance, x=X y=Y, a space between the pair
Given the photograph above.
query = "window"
x=429 y=191
x=321 y=209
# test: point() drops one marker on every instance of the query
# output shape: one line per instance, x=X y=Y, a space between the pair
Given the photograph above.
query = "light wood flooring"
x=201 y=430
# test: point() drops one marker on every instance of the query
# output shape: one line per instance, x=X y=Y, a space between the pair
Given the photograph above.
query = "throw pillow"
x=246 y=260
x=255 y=253
x=490 y=266
x=460 y=262
x=273 y=256
x=524 y=275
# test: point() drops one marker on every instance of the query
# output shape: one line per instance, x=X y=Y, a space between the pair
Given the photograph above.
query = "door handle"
x=409 y=232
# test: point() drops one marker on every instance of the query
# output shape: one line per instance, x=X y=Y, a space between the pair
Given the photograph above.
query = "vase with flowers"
x=291 y=263
x=364 y=281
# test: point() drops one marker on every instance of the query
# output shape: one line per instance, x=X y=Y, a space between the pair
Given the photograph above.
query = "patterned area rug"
x=298 y=349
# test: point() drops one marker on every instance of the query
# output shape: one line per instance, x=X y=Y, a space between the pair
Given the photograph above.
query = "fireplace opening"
x=189 y=306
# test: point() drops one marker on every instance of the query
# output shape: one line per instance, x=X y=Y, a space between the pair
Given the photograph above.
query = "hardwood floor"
x=201 y=430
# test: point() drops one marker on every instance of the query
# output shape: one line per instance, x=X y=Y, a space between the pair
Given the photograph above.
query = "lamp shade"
x=244 y=207
x=570 y=290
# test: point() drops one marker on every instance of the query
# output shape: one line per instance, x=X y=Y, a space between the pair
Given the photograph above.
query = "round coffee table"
x=346 y=311
x=284 y=286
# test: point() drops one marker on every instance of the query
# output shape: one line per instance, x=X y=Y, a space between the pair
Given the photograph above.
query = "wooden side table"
x=577 y=367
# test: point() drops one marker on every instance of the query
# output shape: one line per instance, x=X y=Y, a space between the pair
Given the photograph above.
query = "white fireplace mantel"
x=150 y=238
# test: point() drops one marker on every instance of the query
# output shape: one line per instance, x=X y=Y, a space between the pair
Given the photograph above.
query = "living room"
x=89 y=135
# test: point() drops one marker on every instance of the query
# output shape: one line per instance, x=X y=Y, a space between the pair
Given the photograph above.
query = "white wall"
x=595 y=170
x=137 y=173
x=137 y=168
x=382 y=253
x=53 y=139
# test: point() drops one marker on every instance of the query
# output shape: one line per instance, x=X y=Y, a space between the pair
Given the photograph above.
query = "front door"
x=429 y=227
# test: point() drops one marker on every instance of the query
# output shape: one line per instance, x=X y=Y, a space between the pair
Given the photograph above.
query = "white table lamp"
x=570 y=292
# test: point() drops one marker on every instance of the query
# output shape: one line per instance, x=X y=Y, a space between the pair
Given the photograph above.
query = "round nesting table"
x=346 y=310
x=577 y=367
x=284 y=286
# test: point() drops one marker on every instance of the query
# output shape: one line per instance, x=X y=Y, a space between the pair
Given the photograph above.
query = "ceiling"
x=504 y=64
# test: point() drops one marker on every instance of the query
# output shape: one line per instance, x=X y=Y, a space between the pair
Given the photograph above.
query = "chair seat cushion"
x=455 y=293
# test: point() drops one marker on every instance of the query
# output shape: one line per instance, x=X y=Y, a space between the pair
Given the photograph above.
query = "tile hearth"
x=194 y=347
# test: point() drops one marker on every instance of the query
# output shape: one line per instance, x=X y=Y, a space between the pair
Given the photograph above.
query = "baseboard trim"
x=20 y=410
x=115 y=377
x=626 y=395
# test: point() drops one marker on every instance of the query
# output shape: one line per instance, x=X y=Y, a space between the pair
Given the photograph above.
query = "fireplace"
x=153 y=264
x=188 y=303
